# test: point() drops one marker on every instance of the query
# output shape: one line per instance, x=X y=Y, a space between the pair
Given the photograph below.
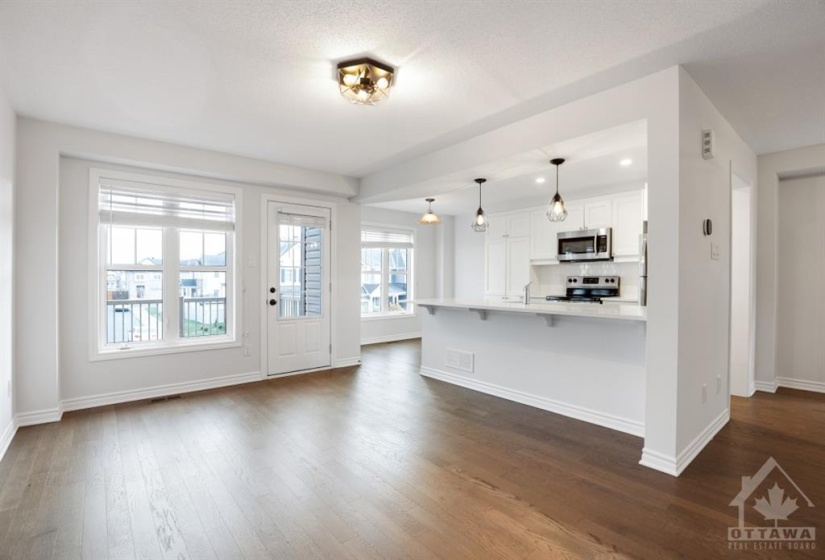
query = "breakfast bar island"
x=582 y=360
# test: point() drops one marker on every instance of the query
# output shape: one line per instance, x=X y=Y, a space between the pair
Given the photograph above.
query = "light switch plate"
x=715 y=253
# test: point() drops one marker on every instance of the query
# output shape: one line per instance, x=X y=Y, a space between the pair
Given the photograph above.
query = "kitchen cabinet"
x=507 y=266
x=623 y=212
x=598 y=213
x=543 y=241
x=627 y=225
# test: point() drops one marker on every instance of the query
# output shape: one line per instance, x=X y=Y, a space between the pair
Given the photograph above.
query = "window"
x=166 y=262
x=386 y=271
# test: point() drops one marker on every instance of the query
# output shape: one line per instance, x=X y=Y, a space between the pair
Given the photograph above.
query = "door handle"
x=273 y=302
x=272 y=290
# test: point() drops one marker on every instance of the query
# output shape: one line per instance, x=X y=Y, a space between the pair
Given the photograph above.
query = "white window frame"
x=172 y=343
x=385 y=271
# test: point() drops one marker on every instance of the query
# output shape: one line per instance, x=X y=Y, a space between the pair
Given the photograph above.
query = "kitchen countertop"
x=614 y=310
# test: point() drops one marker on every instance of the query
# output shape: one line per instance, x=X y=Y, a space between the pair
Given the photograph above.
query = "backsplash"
x=550 y=278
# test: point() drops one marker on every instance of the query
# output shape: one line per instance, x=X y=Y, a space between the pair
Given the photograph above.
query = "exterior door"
x=297 y=291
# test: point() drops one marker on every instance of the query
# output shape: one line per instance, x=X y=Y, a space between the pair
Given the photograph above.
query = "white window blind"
x=141 y=204
x=284 y=218
x=372 y=236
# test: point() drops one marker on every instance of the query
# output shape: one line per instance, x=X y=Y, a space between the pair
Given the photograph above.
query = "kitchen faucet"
x=527 y=293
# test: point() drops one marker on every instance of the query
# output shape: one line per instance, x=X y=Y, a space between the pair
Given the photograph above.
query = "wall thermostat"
x=707 y=144
x=707 y=226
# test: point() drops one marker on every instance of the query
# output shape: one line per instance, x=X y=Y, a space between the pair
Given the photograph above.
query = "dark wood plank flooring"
x=378 y=462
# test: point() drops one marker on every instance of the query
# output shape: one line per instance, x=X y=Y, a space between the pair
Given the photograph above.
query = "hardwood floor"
x=378 y=462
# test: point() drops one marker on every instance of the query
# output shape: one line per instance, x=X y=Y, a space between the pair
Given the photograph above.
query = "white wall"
x=8 y=122
x=51 y=209
x=803 y=161
x=426 y=273
x=741 y=315
x=800 y=353
x=703 y=287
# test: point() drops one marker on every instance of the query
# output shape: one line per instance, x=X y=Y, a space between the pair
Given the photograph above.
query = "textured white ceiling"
x=256 y=78
x=592 y=166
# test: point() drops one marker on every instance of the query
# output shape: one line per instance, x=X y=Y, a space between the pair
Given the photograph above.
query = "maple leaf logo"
x=777 y=506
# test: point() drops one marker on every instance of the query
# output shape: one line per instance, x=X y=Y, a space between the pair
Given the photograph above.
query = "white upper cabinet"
x=518 y=266
x=622 y=212
x=496 y=226
x=598 y=213
x=575 y=217
x=627 y=225
x=518 y=225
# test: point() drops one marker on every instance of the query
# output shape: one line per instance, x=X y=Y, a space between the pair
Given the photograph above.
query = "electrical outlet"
x=715 y=252
x=704 y=393
x=247 y=351
x=718 y=384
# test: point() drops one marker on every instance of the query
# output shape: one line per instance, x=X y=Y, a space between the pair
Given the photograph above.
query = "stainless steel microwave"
x=585 y=245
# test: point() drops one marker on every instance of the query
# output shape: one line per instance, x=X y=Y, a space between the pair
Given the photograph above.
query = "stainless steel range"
x=588 y=289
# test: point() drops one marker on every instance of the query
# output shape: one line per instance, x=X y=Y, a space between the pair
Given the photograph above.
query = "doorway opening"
x=743 y=294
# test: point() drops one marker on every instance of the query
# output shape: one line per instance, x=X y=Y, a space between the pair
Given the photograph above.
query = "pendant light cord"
x=557 y=178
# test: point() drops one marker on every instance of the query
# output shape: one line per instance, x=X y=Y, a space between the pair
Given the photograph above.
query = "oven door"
x=585 y=245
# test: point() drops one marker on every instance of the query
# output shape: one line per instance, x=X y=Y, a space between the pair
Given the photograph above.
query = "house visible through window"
x=167 y=261
x=386 y=271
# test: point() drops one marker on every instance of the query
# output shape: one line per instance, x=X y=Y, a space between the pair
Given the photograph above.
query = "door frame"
x=266 y=198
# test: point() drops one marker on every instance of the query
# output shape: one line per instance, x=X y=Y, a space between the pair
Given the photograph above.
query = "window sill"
x=388 y=316
x=139 y=352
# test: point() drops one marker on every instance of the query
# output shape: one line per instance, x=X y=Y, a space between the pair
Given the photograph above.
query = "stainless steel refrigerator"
x=643 y=265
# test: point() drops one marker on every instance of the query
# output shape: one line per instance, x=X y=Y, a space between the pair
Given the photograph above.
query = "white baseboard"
x=39 y=417
x=389 y=338
x=8 y=435
x=118 y=397
x=766 y=386
x=347 y=362
x=618 y=423
x=674 y=466
x=801 y=384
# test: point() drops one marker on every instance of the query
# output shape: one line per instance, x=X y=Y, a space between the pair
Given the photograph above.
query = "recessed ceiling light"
x=539 y=180
x=626 y=162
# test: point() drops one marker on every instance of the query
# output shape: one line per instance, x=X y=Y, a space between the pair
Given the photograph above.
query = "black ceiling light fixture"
x=365 y=81
x=557 y=212
x=480 y=222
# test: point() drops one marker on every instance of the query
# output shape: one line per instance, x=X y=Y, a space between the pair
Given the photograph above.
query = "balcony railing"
x=141 y=320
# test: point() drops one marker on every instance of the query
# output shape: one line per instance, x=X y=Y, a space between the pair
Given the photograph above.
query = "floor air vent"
x=167 y=398
x=458 y=359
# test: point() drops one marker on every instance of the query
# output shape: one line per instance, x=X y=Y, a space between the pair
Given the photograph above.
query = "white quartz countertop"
x=612 y=310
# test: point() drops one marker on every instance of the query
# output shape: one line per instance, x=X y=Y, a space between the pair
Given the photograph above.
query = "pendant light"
x=480 y=222
x=557 y=211
x=429 y=218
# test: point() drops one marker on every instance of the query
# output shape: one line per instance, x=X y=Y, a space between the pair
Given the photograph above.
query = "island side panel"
x=590 y=369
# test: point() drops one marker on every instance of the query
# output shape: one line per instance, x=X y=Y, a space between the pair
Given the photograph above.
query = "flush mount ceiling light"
x=626 y=162
x=480 y=222
x=429 y=218
x=540 y=180
x=365 y=81
x=557 y=212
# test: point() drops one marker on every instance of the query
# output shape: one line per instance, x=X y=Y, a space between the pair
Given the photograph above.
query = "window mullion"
x=385 y=280
x=171 y=265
